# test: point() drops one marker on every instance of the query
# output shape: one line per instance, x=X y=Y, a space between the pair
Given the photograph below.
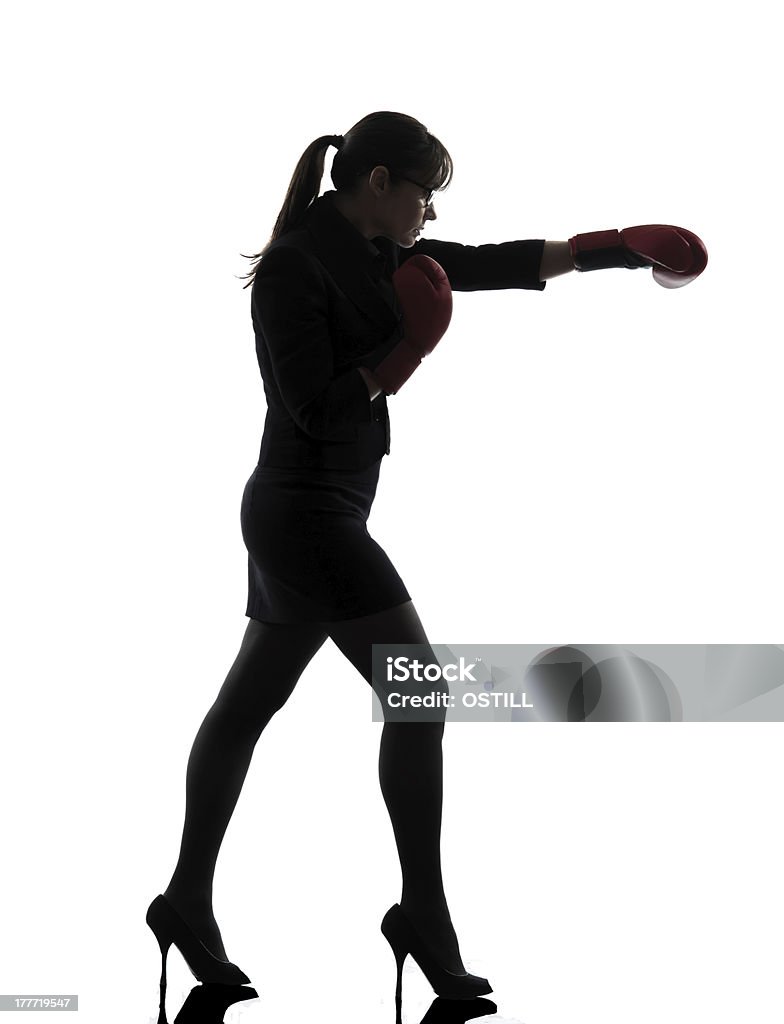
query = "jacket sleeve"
x=472 y=268
x=290 y=308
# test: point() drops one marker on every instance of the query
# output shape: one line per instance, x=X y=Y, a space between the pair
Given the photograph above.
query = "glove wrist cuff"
x=394 y=370
x=602 y=250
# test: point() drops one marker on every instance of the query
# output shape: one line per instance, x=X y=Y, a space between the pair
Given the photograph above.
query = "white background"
x=596 y=463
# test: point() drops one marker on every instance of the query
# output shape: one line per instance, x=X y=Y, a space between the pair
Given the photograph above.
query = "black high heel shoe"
x=169 y=928
x=402 y=937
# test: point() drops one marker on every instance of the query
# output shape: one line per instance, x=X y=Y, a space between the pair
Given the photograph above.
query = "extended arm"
x=556 y=260
x=676 y=254
x=487 y=267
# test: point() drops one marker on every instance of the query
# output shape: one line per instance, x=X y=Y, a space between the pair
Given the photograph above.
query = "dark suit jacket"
x=322 y=304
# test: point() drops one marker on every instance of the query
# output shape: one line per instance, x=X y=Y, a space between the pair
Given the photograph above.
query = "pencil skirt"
x=310 y=556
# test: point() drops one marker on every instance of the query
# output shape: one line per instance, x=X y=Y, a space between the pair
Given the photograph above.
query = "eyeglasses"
x=429 y=192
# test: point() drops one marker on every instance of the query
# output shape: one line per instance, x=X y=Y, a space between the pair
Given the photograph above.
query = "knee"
x=244 y=717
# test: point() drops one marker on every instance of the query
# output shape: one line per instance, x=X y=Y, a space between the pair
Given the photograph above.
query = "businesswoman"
x=335 y=315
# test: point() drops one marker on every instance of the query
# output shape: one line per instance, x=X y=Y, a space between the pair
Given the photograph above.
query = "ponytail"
x=304 y=187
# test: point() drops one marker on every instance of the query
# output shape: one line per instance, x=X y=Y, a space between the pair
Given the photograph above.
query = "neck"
x=354 y=212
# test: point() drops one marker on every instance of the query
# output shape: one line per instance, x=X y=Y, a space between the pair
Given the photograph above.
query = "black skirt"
x=310 y=556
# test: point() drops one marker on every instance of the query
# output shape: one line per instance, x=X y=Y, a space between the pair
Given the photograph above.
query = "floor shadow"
x=207 y=1004
x=458 y=1011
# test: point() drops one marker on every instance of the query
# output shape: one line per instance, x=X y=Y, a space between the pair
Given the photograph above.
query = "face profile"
x=418 y=199
x=390 y=206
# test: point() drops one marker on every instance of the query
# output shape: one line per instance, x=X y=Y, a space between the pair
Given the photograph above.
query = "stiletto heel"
x=164 y=946
x=400 y=957
x=170 y=929
x=404 y=939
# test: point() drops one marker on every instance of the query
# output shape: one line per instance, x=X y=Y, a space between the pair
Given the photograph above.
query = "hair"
x=398 y=142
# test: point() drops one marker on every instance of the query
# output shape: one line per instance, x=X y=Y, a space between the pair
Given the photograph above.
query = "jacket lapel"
x=346 y=255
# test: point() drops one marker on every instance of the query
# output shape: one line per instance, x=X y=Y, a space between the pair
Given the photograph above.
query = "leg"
x=411 y=777
x=270 y=661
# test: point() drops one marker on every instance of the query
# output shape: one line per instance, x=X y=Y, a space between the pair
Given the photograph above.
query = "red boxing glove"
x=425 y=299
x=676 y=254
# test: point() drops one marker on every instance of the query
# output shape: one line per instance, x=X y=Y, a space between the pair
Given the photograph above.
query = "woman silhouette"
x=329 y=331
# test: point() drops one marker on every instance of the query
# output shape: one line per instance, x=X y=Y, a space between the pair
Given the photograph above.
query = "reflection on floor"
x=208 y=1004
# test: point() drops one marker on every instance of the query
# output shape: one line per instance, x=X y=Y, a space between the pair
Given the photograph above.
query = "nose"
x=430 y=213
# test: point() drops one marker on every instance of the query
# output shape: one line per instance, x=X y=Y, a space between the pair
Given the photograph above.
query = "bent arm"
x=291 y=308
x=374 y=388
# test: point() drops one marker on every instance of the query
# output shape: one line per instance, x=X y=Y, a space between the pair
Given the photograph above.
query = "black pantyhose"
x=271 y=659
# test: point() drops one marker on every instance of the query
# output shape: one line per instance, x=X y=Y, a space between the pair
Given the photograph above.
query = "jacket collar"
x=358 y=266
